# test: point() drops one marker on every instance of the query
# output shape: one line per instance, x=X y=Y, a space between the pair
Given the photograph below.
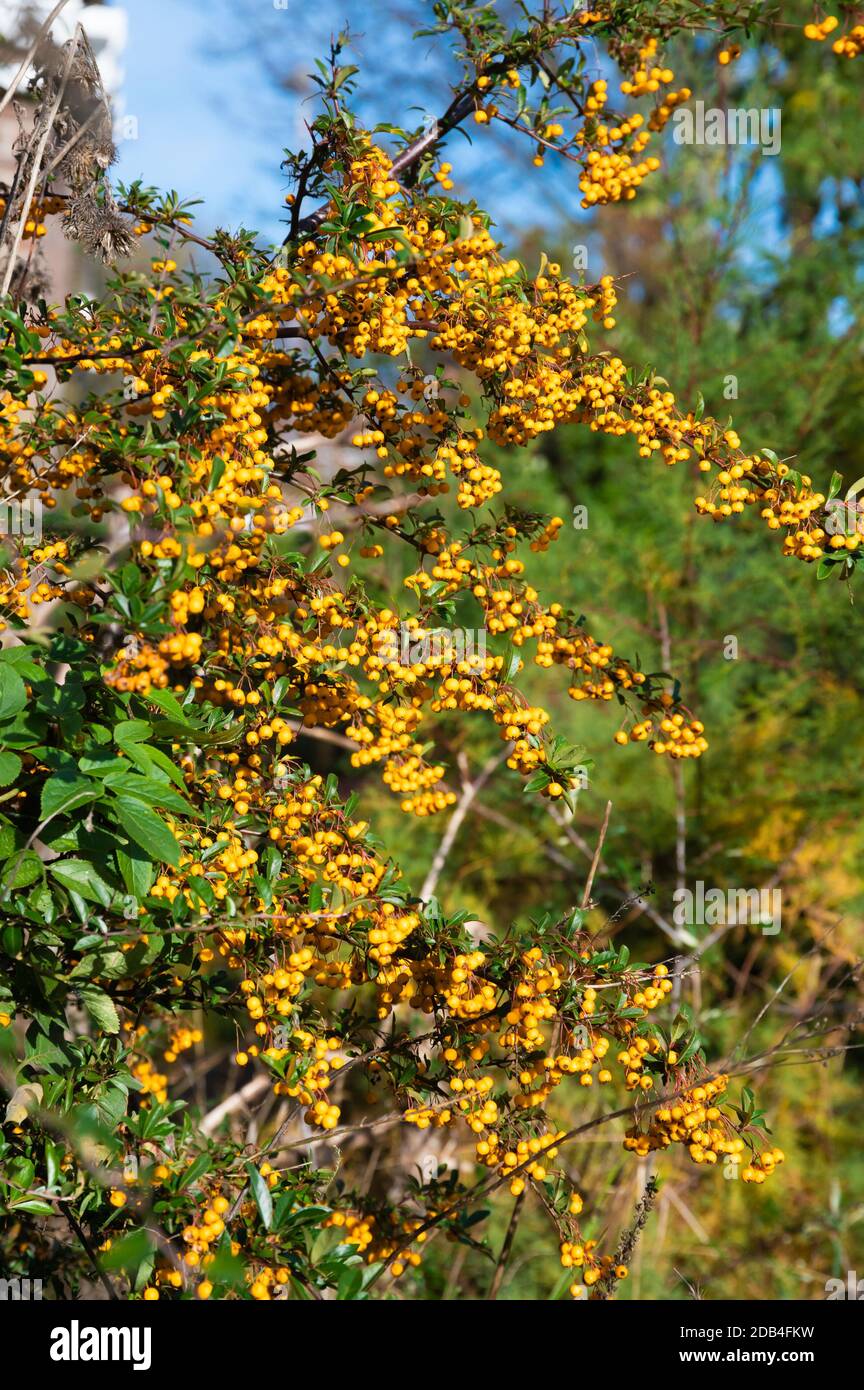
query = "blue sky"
x=211 y=126
x=187 y=138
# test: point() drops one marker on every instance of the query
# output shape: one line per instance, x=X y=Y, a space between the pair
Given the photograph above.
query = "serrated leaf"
x=169 y=704
x=137 y=871
x=62 y=794
x=131 y=731
x=13 y=693
x=10 y=767
x=81 y=876
x=21 y=870
x=147 y=830
x=101 y=1009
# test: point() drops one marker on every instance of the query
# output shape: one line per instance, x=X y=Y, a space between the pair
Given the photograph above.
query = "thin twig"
x=469 y=792
x=106 y=1282
x=30 y=55
x=236 y=1101
x=37 y=161
x=501 y=1266
x=586 y=896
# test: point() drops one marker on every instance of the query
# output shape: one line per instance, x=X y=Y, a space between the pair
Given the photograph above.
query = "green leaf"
x=162 y=760
x=150 y=790
x=350 y=1282
x=13 y=692
x=144 y=1272
x=139 y=754
x=53 y=1158
x=83 y=878
x=10 y=766
x=34 y=1205
x=136 y=870
x=62 y=793
x=692 y=1047
x=128 y=1251
x=169 y=704
x=131 y=731
x=10 y=838
x=147 y=830
x=514 y=661
x=261 y=1193
x=21 y=870
x=197 y=1168
x=112 y=965
x=111 y=1103
x=203 y=889
x=101 y=1009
